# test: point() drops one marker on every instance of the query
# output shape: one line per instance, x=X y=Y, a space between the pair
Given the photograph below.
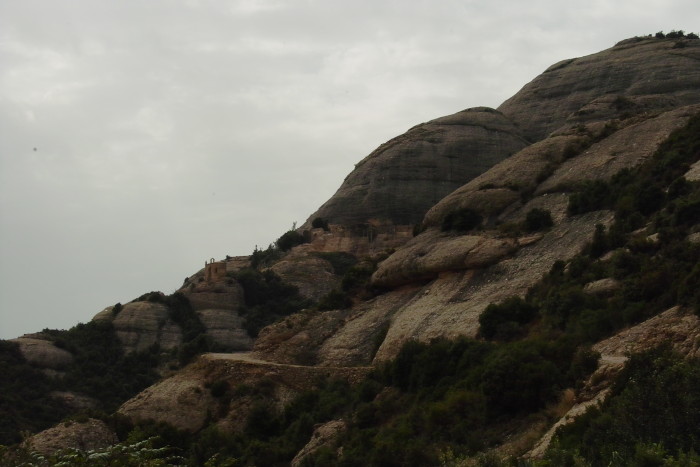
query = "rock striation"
x=636 y=75
x=405 y=176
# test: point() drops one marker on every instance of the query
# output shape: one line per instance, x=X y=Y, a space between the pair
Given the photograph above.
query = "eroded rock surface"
x=225 y=328
x=43 y=353
x=635 y=76
x=139 y=325
x=405 y=176
x=86 y=436
x=187 y=400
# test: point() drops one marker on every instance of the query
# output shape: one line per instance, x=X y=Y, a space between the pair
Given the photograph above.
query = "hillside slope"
x=543 y=230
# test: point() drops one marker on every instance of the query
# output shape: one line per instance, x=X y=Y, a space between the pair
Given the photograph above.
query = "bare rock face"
x=86 y=436
x=603 y=287
x=181 y=401
x=405 y=176
x=187 y=399
x=436 y=252
x=627 y=147
x=558 y=163
x=450 y=305
x=221 y=296
x=43 y=353
x=636 y=75
x=312 y=275
x=139 y=325
x=225 y=328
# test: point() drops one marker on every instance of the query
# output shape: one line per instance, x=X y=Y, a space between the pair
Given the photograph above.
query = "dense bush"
x=320 y=223
x=334 y=300
x=461 y=220
x=505 y=321
x=538 y=219
x=289 y=240
x=655 y=401
x=267 y=298
x=340 y=260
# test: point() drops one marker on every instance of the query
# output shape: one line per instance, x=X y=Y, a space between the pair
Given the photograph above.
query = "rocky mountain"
x=533 y=248
x=405 y=176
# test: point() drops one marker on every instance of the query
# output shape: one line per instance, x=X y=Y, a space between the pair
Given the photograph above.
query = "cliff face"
x=635 y=75
x=405 y=176
x=582 y=119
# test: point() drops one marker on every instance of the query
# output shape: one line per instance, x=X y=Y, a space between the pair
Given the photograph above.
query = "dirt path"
x=248 y=357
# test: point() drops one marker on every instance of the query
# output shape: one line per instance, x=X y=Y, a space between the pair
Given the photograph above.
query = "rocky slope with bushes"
x=473 y=285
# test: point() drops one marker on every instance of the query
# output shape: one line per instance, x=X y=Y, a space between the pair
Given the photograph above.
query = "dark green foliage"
x=261 y=258
x=334 y=300
x=591 y=196
x=289 y=240
x=100 y=370
x=267 y=298
x=320 y=223
x=505 y=321
x=340 y=260
x=461 y=220
x=25 y=404
x=357 y=276
x=655 y=401
x=182 y=313
x=538 y=219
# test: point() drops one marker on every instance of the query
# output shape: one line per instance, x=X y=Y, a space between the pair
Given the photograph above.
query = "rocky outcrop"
x=558 y=163
x=603 y=287
x=625 y=148
x=435 y=252
x=312 y=275
x=187 y=400
x=140 y=325
x=225 y=328
x=43 y=353
x=323 y=435
x=637 y=75
x=220 y=296
x=85 y=436
x=405 y=176
x=674 y=326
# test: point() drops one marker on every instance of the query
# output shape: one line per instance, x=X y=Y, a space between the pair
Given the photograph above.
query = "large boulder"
x=43 y=353
x=636 y=75
x=225 y=328
x=139 y=325
x=87 y=436
x=405 y=176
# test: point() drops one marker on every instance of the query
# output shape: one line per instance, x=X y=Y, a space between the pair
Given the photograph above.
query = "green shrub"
x=538 y=219
x=461 y=220
x=504 y=321
x=340 y=260
x=334 y=300
x=266 y=298
x=289 y=240
x=654 y=403
x=320 y=223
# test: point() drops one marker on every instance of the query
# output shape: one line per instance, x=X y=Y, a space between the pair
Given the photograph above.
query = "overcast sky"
x=139 y=138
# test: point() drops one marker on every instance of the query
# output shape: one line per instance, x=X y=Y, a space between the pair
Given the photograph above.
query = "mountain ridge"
x=474 y=247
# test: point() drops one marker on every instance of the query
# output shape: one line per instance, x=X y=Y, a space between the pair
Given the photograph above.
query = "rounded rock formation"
x=405 y=176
